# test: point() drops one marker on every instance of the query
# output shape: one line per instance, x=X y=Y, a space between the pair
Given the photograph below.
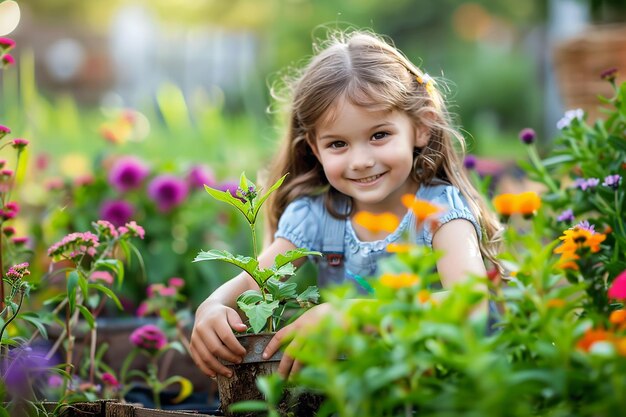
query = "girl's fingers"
x=285 y=365
x=228 y=338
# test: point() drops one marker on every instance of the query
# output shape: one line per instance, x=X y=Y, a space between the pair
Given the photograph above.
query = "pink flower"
x=103 y=276
x=19 y=144
x=618 y=287
x=142 y=310
x=148 y=337
x=7 y=60
x=153 y=289
x=109 y=379
x=199 y=175
x=132 y=229
x=8 y=231
x=176 y=282
x=55 y=381
x=6 y=44
x=20 y=240
x=168 y=291
x=6 y=173
x=4 y=131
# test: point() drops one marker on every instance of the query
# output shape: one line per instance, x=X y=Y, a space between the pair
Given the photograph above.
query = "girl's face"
x=368 y=155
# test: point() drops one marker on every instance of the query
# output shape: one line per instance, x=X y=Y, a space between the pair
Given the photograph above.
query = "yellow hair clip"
x=427 y=81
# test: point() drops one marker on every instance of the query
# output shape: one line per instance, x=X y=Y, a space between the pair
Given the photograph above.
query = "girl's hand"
x=293 y=331
x=212 y=339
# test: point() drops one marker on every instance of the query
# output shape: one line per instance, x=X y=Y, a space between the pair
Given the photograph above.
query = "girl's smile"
x=368 y=155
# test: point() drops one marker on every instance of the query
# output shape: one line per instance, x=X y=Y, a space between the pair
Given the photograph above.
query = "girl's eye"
x=337 y=144
x=380 y=135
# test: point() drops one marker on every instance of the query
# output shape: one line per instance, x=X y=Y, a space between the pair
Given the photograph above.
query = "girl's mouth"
x=368 y=180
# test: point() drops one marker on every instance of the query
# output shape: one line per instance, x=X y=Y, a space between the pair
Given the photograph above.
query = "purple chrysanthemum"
x=128 y=173
x=148 y=337
x=118 y=212
x=612 y=181
x=167 y=191
x=469 y=162
x=566 y=216
x=585 y=225
x=585 y=183
x=527 y=135
x=199 y=175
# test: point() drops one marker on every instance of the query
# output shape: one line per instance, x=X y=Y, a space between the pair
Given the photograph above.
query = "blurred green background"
x=181 y=83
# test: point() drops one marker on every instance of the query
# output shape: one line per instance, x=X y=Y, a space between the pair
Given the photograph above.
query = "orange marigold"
x=578 y=238
x=617 y=316
x=592 y=336
x=397 y=281
x=506 y=204
x=384 y=222
x=620 y=346
x=421 y=208
x=528 y=203
x=423 y=296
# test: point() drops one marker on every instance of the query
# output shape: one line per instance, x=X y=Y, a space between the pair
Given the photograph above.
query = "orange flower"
x=555 y=303
x=592 y=336
x=397 y=281
x=618 y=316
x=399 y=247
x=384 y=222
x=505 y=204
x=423 y=296
x=422 y=209
x=620 y=345
x=579 y=238
x=528 y=203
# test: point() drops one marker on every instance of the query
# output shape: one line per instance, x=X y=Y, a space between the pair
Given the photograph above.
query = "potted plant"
x=265 y=308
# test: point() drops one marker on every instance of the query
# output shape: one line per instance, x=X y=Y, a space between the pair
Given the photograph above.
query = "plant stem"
x=12 y=317
x=534 y=157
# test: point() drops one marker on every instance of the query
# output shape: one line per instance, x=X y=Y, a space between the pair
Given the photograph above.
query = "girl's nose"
x=362 y=159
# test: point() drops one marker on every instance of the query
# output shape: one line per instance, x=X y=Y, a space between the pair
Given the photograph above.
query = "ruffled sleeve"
x=301 y=223
x=454 y=207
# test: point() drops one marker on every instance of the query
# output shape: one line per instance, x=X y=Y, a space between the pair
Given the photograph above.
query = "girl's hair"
x=369 y=72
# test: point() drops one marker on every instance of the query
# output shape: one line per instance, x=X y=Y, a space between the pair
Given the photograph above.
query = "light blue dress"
x=303 y=221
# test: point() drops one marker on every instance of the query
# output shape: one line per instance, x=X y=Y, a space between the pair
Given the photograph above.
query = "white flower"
x=567 y=118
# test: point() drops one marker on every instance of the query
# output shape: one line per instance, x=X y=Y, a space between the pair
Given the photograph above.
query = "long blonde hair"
x=370 y=72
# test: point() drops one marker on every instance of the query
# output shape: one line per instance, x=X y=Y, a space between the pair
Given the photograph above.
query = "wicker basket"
x=579 y=61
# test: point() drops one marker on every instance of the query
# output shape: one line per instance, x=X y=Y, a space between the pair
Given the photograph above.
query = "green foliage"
x=262 y=307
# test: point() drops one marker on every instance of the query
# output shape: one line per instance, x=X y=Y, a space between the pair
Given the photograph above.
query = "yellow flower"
x=422 y=209
x=423 y=296
x=397 y=281
x=620 y=345
x=579 y=238
x=387 y=222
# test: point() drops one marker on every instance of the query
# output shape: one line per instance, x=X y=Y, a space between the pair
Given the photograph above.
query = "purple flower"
x=118 y=212
x=469 y=162
x=569 y=117
x=199 y=175
x=167 y=191
x=127 y=173
x=230 y=186
x=148 y=337
x=609 y=74
x=586 y=226
x=584 y=183
x=21 y=364
x=566 y=216
x=612 y=181
x=527 y=135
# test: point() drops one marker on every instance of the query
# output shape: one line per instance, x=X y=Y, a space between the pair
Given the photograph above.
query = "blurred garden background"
x=130 y=106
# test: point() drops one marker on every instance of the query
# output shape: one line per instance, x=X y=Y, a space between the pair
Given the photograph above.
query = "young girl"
x=366 y=127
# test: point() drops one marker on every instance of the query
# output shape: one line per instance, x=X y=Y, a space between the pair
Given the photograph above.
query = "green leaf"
x=249 y=405
x=248 y=264
x=82 y=283
x=114 y=265
x=259 y=314
x=292 y=255
x=618 y=143
x=34 y=319
x=557 y=160
x=286 y=270
x=281 y=290
x=227 y=197
x=72 y=283
x=310 y=295
x=108 y=293
x=265 y=196
x=87 y=315
x=250 y=297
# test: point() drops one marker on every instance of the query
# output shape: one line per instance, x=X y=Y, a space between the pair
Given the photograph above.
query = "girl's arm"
x=461 y=254
x=212 y=336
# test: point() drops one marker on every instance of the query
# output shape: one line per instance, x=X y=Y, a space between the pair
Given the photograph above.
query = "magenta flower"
x=167 y=192
x=8 y=231
x=142 y=310
x=6 y=173
x=4 y=131
x=527 y=135
x=609 y=74
x=75 y=245
x=176 y=282
x=19 y=144
x=148 y=337
x=567 y=216
x=19 y=241
x=6 y=44
x=199 y=176
x=103 y=276
x=617 y=290
x=109 y=379
x=168 y=291
x=118 y=212
x=18 y=271
x=128 y=173
x=230 y=186
x=7 y=60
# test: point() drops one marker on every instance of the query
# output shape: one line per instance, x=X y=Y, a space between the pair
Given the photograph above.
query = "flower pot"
x=242 y=385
